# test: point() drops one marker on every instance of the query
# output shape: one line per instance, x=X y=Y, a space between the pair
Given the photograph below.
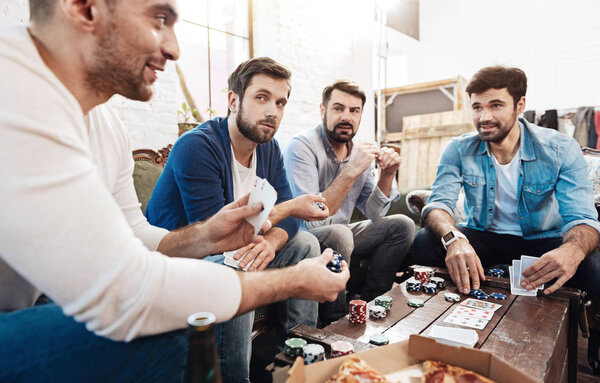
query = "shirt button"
x=490 y=209
x=492 y=188
x=522 y=218
x=491 y=166
x=538 y=191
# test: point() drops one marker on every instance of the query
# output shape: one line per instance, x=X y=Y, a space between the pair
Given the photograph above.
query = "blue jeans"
x=41 y=344
x=233 y=336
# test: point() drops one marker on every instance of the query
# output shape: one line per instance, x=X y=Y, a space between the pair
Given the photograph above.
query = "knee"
x=400 y=226
x=307 y=244
x=340 y=239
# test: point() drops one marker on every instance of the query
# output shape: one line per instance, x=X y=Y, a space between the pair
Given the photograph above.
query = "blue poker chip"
x=475 y=292
x=482 y=296
x=498 y=296
x=335 y=264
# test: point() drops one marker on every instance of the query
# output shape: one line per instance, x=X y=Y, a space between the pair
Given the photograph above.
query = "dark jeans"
x=494 y=249
x=41 y=344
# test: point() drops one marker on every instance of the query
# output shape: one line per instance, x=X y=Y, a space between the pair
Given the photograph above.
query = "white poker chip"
x=452 y=297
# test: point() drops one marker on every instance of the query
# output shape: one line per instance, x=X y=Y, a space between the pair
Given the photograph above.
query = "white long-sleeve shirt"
x=65 y=232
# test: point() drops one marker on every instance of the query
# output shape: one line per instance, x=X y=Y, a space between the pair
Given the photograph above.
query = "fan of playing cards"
x=516 y=276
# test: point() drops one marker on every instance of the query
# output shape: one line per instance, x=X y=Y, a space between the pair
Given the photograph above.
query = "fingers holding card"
x=262 y=191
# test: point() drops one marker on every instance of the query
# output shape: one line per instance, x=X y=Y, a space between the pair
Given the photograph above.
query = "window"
x=214 y=36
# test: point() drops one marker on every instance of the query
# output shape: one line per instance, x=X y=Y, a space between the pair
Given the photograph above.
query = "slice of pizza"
x=356 y=370
x=439 y=372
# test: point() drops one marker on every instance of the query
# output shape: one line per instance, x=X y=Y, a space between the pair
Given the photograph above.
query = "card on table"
x=473 y=312
x=527 y=261
x=477 y=323
x=262 y=191
x=479 y=304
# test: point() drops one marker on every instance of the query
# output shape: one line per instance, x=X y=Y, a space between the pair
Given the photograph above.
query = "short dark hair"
x=345 y=86
x=240 y=78
x=499 y=77
x=41 y=10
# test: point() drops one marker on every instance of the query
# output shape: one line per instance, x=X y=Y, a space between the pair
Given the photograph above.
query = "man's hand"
x=560 y=263
x=388 y=160
x=318 y=283
x=228 y=229
x=304 y=208
x=361 y=156
x=459 y=256
x=262 y=253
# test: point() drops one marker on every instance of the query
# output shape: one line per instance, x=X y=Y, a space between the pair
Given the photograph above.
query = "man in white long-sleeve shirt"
x=66 y=231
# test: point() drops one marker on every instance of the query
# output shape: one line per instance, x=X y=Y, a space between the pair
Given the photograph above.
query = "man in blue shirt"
x=218 y=162
x=526 y=193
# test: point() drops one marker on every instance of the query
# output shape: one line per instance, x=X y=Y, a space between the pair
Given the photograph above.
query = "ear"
x=521 y=105
x=322 y=108
x=232 y=101
x=83 y=14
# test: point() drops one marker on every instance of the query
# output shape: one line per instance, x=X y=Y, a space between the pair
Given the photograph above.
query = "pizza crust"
x=439 y=372
x=356 y=370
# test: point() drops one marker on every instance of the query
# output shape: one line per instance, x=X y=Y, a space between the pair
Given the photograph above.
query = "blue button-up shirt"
x=554 y=192
x=311 y=166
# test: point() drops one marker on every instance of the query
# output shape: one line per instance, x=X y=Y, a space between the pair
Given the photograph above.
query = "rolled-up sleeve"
x=377 y=204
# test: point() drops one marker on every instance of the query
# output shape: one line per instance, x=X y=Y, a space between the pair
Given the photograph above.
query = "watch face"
x=448 y=236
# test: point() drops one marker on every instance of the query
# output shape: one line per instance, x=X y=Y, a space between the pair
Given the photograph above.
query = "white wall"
x=556 y=43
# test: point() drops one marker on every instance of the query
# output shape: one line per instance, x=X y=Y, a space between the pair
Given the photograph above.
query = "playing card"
x=473 y=312
x=466 y=321
x=262 y=191
x=230 y=261
x=479 y=304
x=527 y=261
x=518 y=290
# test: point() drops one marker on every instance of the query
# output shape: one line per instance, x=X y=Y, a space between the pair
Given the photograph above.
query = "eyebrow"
x=168 y=9
x=494 y=101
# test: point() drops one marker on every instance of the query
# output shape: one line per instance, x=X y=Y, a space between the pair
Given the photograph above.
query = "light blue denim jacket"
x=554 y=191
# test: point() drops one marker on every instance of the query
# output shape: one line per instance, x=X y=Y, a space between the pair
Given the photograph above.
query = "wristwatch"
x=452 y=236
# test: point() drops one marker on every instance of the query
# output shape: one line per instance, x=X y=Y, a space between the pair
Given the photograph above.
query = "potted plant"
x=187 y=118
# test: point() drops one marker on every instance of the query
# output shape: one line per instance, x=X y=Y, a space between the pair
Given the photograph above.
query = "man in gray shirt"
x=325 y=160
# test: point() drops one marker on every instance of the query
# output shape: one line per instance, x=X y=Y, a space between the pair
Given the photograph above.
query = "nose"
x=272 y=110
x=170 y=46
x=485 y=115
x=346 y=115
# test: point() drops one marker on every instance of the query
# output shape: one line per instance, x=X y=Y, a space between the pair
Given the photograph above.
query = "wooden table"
x=536 y=334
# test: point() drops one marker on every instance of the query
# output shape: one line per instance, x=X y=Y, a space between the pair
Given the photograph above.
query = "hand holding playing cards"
x=361 y=156
x=389 y=160
x=260 y=254
x=560 y=263
x=318 y=282
x=459 y=256
x=307 y=207
x=228 y=228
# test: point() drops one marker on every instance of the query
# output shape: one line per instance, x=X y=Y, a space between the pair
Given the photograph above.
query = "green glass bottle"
x=203 y=360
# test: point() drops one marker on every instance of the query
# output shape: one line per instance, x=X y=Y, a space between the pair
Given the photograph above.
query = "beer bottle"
x=203 y=360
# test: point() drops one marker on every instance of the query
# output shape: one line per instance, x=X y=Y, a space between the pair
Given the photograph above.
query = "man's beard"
x=337 y=136
x=110 y=72
x=501 y=130
x=253 y=132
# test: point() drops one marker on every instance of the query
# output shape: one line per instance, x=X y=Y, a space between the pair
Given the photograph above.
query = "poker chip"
x=496 y=273
x=335 y=264
x=313 y=353
x=293 y=347
x=415 y=302
x=357 y=311
x=430 y=288
x=452 y=297
x=498 y=296
x=340 y=348
x=379 y=339
x=385 y=301
x=475 y=292
x=320 y=205
x=413 y=284
x=422 y=274
x=377 y=312
x=439 y=282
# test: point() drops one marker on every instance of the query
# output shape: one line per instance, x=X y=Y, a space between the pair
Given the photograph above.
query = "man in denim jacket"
x=526 y=192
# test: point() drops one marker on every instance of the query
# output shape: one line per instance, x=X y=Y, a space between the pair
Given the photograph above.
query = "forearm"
x=386 y=179
x=440 y=222
x=263 y=287
x=337 y=191
x=187 y=242
x=277 y=237
x=583 y=238
x=282 y=211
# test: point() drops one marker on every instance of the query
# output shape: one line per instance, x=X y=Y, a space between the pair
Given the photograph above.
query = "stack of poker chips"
x=385 y=301
x=335 y=264
x=340 y=348
x=499 y=296
x=479 y=294
x=413 y=284
x=415 y=302
x=452 y=297
x=313 y=353
x=423 y=274
x=358 y=311
x=377 y=312
x=430 y=288
x=439 y=282
x=498 y=273
x=294 y=347
x=379 y=339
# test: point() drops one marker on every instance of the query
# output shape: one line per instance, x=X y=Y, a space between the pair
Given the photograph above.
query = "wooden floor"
x=584 y=371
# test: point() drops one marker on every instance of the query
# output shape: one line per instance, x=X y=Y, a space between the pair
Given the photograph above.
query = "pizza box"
x=393 y=357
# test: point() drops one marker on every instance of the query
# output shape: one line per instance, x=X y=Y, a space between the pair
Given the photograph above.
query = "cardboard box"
x=393 y=357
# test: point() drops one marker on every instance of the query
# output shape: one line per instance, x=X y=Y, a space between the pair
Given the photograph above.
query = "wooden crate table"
x=536 y=334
